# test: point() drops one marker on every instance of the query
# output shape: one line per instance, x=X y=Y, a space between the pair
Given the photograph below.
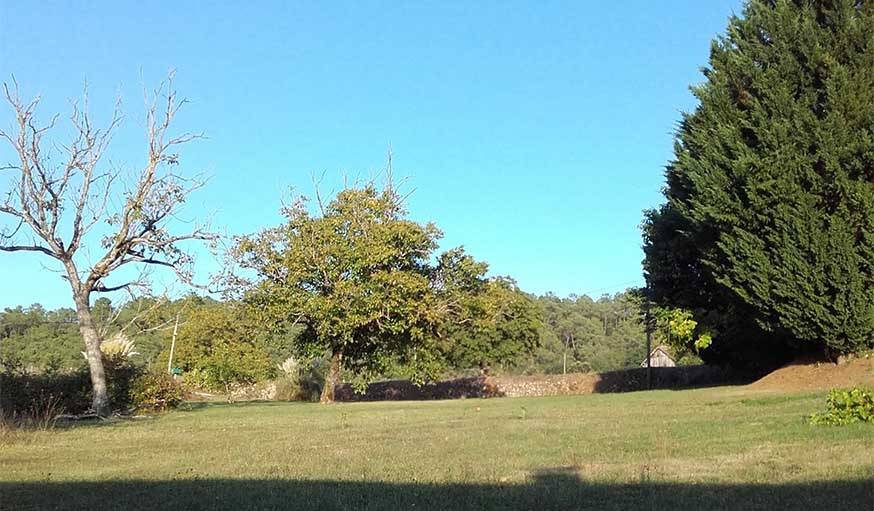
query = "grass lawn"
x=722 y=448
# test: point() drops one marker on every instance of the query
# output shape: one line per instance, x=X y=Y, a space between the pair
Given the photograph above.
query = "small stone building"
x=659 y=358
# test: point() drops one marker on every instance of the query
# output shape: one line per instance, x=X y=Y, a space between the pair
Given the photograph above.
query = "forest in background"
x=578 y=334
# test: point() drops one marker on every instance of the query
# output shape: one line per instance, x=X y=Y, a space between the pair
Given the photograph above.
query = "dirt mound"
x=818 y=375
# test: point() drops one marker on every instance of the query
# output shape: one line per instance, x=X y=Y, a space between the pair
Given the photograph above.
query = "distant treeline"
x=578 y=334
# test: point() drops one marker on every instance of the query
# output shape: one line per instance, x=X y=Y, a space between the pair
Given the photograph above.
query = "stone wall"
x=543 y=385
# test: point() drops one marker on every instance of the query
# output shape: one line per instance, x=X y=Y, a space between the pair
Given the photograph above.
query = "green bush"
x=218 y=349
x=846 y=407
x=156 y=391
x=120 y=375
x=228 y=365
x=22 y=389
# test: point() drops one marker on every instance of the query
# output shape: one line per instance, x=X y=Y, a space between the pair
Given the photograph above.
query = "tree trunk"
x=100 y=398
x=332 y=379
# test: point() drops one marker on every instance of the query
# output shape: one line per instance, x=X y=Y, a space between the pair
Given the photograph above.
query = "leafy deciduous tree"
x=218 y=346
x=355 y=276
x=488 y=321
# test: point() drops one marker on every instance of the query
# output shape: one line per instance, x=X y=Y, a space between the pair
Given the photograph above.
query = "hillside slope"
x=810 y=375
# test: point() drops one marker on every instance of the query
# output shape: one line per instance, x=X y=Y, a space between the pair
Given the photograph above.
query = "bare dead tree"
x=54 y=203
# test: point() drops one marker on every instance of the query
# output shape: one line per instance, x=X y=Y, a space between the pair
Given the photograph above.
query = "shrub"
x=228 y=365
x=287 y=388
x=21 y=391
x=220 y=349
x=41 y=414
x=846 y=407
x=120 y=375
x=24 y=392
x=155 y=391
x=218 y=375
x=299 y=382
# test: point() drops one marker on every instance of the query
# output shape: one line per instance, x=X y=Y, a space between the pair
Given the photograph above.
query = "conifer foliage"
x=768 y=228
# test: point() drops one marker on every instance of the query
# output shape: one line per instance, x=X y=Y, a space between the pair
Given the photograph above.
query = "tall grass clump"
x=299 y=381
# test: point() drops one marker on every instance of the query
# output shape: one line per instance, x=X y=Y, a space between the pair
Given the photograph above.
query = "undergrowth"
x=846 y=407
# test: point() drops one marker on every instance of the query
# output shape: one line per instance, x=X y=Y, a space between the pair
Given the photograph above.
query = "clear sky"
x=534 y=133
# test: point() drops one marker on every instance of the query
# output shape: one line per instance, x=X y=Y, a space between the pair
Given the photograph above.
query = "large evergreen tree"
x=768 y=229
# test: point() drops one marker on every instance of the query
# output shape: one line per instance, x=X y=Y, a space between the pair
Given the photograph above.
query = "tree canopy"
x=355 y=276
x=365 y=285
x=768 y=229
x=487 y=321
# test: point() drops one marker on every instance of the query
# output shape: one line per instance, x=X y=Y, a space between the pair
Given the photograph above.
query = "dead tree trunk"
x=332 y=379
x=52 y=204
x=100 y=398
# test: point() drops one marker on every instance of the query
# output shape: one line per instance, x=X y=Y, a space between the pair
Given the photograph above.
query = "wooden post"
x=173 y=345
x=648 y=327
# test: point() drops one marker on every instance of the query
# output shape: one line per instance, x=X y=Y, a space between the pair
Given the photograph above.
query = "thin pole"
x=173 y=345
x=648 y=348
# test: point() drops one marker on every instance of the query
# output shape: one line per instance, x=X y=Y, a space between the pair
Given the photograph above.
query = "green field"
x=722 y=448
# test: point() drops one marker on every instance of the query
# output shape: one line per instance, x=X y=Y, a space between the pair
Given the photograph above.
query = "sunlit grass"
x=692 y=445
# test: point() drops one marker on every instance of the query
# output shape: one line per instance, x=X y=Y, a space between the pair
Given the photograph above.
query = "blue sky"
x=533 y=133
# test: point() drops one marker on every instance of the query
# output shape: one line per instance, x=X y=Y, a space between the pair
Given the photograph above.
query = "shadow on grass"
x=200 y=406
x=192 y=406
x=549 y=490
x=671 y=378
x=624 y=380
